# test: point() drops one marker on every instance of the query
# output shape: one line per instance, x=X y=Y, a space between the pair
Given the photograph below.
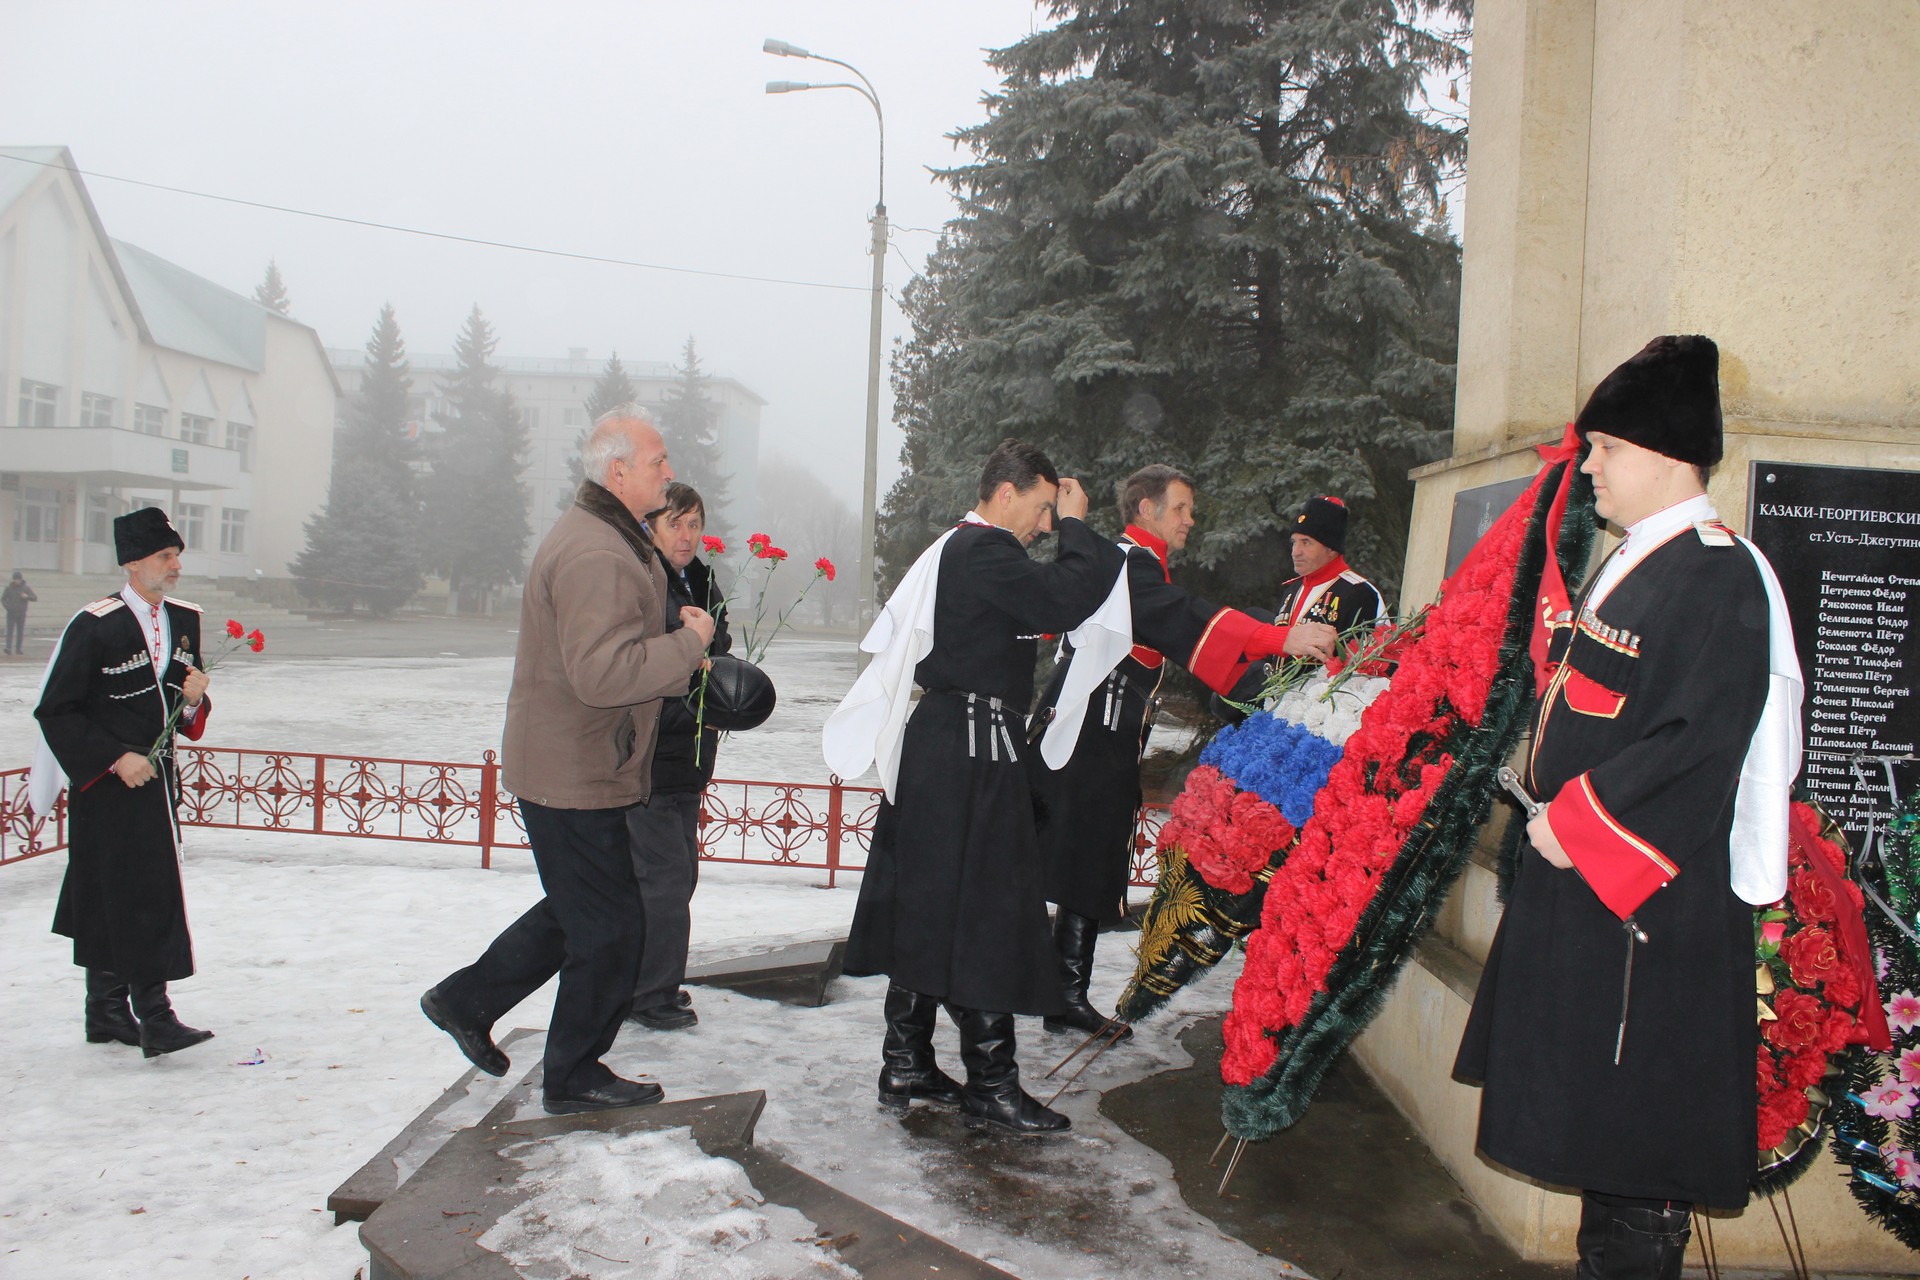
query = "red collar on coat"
x=1156 y=545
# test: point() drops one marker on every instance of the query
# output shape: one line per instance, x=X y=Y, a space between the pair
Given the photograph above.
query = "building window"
x=39 y=404
x=233 y=530
x=576 y=417
x=240 y=440
x=95 y=410
x=192 y=525
x=149 y=419
x=195 y=429
x=99 y=520
x=530 y=418
x=36 y=516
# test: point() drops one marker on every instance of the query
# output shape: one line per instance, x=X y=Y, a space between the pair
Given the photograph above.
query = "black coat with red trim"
x=121 y=901
x=1088 y=809
x=1637 y=743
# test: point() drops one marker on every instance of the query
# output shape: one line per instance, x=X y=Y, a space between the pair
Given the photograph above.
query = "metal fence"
x=822 y=826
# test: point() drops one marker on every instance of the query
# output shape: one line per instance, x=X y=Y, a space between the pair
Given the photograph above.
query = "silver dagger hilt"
x=1518 y=790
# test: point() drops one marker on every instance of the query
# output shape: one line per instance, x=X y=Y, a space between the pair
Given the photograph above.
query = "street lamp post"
x=869 y=494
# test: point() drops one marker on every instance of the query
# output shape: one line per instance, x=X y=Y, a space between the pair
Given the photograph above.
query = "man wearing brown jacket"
x=593 y=661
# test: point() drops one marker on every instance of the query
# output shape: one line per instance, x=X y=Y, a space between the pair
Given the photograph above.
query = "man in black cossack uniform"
x=950 y=905
x=1613 y=1032
x=123 y=666
x=1324 y=590
x=1089 y=809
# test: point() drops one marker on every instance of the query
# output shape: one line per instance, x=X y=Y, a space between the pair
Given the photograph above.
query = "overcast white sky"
x=637 y=130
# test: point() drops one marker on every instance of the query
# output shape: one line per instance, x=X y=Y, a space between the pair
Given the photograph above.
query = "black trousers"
x=588 y=929
x=665 y=836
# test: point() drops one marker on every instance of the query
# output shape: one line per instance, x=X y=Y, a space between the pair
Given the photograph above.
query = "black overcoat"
x=121 y=901
x=1638 y=741
x=675 y=771
x=950 y=905
x=1089 y=808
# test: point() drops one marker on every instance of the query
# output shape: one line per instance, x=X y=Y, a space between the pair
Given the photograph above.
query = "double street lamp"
x=869 y=504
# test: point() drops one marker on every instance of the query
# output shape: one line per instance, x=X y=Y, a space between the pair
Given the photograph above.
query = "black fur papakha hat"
x=138 y=534
x=1325 y=521
x=1666 y=398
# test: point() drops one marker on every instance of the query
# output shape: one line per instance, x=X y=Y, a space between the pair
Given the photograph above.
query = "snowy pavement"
x=312 y=954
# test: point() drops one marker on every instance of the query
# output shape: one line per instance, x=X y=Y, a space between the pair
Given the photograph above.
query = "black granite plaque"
x=1845 y=542
x=1474 y=511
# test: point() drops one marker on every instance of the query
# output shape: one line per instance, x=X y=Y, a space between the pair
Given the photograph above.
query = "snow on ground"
x=313 y=952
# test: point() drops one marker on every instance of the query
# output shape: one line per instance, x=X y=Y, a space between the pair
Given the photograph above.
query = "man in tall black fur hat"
x=122 y=668
x=1613 y=1032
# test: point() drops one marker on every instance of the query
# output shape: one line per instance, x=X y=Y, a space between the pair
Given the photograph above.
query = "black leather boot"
x=910 y=1071
x=160 y=1031
x=109 y=1020
x=1626 y=1239
x=1074 y=936
x=993 y=1093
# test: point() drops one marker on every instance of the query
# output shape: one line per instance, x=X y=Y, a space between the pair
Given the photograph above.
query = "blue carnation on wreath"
x=1277 y=760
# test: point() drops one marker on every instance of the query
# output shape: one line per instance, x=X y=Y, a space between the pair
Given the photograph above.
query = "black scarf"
x=597 y=501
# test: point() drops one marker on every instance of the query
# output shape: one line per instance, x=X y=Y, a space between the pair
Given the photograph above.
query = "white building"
x=551 y=395
x=127 y=381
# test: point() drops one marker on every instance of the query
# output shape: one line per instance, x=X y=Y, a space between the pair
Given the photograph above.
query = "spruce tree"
x=1201 y=234
x=690 y=423
x=363 y=546
x=272 y=291
x=475 y=502
x=612 y=389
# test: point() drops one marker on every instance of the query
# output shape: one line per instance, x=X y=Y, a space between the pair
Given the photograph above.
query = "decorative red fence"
x=822 y=826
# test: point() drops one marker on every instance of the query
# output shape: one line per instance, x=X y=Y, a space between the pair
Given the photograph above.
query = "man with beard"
x=1089 y=808
x=125 y=664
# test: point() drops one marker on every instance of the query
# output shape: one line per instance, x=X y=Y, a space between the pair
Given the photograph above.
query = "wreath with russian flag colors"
x=1363 y=839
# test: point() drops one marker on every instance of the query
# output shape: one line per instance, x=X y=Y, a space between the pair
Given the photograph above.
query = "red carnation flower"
x=758 y=542
x=234 y=629
x=825 y=566
x=713 y=546
x=257 y=643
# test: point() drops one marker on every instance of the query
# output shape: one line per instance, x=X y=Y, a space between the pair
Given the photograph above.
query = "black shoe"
x=664 y=1017
x=684 y=999
x=160 y=1031
x=1074 y=936
x=473 y=1040
x=933 y=1085
x=604 y=1097
x=109 y=1020
x=993 y=1094
x=908 y=1069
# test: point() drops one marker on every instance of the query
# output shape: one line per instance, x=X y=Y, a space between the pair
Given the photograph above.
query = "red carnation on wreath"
x=1813 y=988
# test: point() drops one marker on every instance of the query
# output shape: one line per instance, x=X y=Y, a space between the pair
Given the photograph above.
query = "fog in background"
x=638 y=131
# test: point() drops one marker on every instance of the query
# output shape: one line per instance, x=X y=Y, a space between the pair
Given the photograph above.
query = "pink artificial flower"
x=1903 y=1012
x=1910 y=1066
x=1901 y=1164
x=1888 y=1101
